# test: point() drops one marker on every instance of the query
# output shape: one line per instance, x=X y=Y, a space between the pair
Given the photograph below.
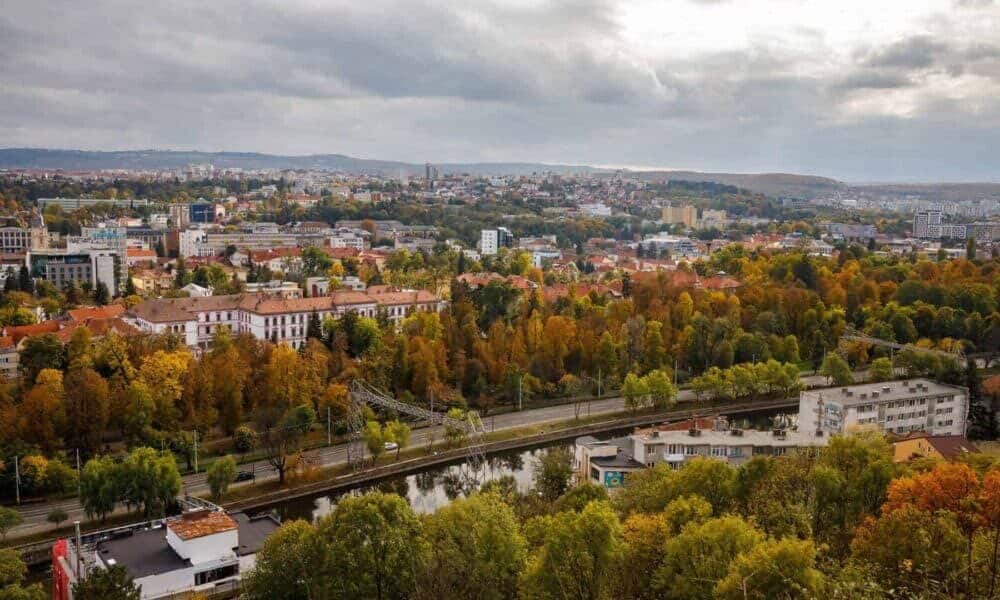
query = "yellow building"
x=688 y=215
x=944 y=447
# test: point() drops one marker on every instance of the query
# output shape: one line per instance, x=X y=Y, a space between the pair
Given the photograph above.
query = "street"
x=195 y=484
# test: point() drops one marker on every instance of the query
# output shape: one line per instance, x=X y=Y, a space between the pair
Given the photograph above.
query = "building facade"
x=898 y=407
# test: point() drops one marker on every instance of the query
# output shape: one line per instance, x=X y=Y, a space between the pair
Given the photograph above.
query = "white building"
x=491 y=240
x=190 y=242
x=202 y=550
x=892 y=406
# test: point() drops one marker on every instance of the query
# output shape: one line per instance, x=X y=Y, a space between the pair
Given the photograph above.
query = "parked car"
x=245 y=476
x=390 y=446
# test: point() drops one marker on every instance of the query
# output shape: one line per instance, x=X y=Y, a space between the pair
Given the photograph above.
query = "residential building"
x=596 y=209
x=674 y=245
x=276 y=287
x=267 y=315
x=685 y=215
x=201 y=551
x=22 y=231
x=139 y=256
x=10 y=359
x=942 y=447
x=90 y=266
x=194 y=290
x=894 y=406
x=190 y=242
x=923 y=220
x=180 y=215
x=603 y=462
x=985 y=232
x=71 y=204
x=203 y=212
x=491 y=240
x=852 y=231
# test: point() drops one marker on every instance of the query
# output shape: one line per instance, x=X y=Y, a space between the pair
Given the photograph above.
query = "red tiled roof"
x=259 y=256
x=140 y=253
x=949 y=446
x=720 y=283
x=199 y=524
x=96 y=312
x=19 y=332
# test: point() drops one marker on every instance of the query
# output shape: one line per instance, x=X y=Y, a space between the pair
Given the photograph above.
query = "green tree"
x=150 y=480
x=636 y=392
x=579 y=496
x=880 y=369
x=775 y=569
x=9 y=519
x=220 y=475
x=399 y=433
x=375 y=437
x=553 y=471
x=57 y=516
x=113 y=583
x=476 y=550
x=579 y=557
x=836 y=370
x=454 y=433
x=699 y=557
x=290 y=566
x=661 y=389
x=12 y=574
x=40 y=352
x=376 y=547
x=100 y=485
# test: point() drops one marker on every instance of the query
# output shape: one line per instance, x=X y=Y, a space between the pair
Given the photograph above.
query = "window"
x=690 y=450
x=718 y=450
x=735 y=452
x=675 y=449
x=216 y=574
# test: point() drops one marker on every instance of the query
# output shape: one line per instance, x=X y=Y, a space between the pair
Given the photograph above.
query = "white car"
x=390 y=446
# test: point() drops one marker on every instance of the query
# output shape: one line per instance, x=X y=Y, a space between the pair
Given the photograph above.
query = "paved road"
x=195 y=484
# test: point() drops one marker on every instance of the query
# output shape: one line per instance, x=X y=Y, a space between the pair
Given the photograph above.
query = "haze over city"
x=859 y=91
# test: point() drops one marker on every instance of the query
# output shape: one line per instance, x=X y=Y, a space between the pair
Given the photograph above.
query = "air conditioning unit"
x=737 y=432
x=693 y=432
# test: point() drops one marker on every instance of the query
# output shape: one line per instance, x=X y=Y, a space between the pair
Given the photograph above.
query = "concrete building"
x=685 y=215
x=201 y=551
x=190 y=242
x=491 y=240
x=71 y=204
x=898 y=407
x=923 y=220
x=21 y=232
x=90 y=266
x=676 y=246
x=941 y=447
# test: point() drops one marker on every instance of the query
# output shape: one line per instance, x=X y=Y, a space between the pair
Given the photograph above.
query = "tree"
x=290 y=565
x=112 y=583
x=775 y=569
x=579 y=496
x=101 y=294
x=100 y=485
x=57 y=516
x=661 y=389
x=454 y=433
x=25 y=282
x=244 y=439
x=398 y=432
x=880 y=369
x=375 y=546
x=375 y=439
x=12 y=574
x=578 y=558
x=220 y=475
x=636 y=392
x=476 y=550
x=150 y=480
x=699 y=557
x=9 y=519
x=982 y=416
x=87 y=409
x=282 y=440
x=553 y=471
x=40 y=352
x=970 y=248
x=836 y=370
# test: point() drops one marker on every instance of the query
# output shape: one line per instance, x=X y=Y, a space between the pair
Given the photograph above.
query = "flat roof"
x=746 y=437
x=887 y=390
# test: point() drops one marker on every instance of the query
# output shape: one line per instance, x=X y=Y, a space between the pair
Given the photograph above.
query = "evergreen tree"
x=10 y=284
x=160 y=250
x=982 y=416
x=314 y=328
x=25 y=282
x=181 y=274
x=101 y=294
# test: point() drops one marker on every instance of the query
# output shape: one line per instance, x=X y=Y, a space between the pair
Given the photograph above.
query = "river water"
x=430 y=489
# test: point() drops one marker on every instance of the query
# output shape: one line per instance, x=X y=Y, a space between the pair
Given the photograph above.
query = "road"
x=195 y=484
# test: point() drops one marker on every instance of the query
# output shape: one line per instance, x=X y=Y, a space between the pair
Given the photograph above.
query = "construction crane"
x=363 y=394
x=853 y=334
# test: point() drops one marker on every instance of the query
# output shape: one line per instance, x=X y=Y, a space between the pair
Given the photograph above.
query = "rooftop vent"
x=886 y=389
x=863 y=396
x=780 y=434
x=874 y=394
x=694 y=432
x=737 y=432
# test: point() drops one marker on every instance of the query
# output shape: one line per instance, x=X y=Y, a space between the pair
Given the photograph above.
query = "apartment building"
x=685 y=215
x=898 y=407
x=491 y=240
x=270 y=317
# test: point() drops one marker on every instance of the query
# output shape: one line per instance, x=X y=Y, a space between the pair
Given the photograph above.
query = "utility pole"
x=675 y=372
x=17 y=477
x=329 y=439
x=195 y=450
x=79 y=488
x=519 y=380
x=598 y=383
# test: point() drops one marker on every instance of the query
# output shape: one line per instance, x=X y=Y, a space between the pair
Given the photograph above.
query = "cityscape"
x=544 y=300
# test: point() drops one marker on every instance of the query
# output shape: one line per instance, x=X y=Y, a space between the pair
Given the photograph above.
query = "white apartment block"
x=491 y=240
x=894 y=406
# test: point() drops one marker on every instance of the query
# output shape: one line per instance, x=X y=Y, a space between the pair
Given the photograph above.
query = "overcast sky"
x=861 y=90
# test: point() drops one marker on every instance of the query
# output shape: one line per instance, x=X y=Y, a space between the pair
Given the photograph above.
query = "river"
x=430 y=489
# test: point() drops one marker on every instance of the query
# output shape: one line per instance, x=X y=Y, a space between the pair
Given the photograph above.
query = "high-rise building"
x=687 y=215
x=927 y=223
x=491 y=240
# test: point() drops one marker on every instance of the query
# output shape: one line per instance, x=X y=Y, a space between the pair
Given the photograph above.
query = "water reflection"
x=433 y=488
x=429 y=490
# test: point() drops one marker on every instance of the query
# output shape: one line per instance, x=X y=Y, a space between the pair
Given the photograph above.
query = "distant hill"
x=83 y=160
x=772 y=184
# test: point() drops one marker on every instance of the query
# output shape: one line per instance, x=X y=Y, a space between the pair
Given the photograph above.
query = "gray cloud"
x=555 y=81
